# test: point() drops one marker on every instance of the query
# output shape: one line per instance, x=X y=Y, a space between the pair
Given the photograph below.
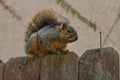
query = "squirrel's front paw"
x=63 y=52
x=66 y=51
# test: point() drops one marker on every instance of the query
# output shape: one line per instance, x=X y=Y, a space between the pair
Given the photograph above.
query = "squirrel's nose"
x=76 y=38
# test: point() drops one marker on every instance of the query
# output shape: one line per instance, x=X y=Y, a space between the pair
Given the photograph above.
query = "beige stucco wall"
x=102 y=12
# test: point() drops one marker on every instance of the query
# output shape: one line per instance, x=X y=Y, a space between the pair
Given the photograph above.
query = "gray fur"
x=48 y=34
x=29 y=42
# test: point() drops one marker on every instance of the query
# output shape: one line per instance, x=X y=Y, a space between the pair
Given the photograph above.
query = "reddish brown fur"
x=57 y=46
x=41 y=50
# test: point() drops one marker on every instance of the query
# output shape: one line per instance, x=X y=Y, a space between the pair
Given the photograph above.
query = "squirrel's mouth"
x=74 y=38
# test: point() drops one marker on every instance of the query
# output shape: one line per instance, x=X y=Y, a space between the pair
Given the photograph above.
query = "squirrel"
x=48 y=32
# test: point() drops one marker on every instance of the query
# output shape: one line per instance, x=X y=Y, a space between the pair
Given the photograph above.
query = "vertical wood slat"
x=99 y=64
x=59 y=67
x=1 y=70
x=86 y=66
x=17 y=69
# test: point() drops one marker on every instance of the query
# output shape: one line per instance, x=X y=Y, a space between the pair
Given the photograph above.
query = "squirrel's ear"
x=63 y=27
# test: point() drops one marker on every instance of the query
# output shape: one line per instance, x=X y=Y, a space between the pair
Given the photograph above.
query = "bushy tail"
x=44 y=18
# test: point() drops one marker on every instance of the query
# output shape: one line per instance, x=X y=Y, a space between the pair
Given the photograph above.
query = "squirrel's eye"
x=69 y=31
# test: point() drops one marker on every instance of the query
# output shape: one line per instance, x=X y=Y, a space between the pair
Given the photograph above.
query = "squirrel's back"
x=42 y=19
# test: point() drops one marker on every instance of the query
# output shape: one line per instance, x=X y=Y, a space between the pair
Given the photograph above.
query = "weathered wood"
x=17 y=69
x=1 y=70
x=99 y=64
x=59 y=67
x=85 y=71
x=96 y=64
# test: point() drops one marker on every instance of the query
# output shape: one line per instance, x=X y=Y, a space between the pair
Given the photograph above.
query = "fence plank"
x=59 y=67
x=85 y=71
x=99 y=64
x=16 y=69
x=86 y=66
x=1 y=70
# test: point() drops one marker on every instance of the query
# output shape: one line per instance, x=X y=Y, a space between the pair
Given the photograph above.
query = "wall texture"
x=16 y=14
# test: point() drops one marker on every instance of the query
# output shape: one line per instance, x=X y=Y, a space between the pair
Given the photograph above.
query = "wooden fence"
x=96 y=64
